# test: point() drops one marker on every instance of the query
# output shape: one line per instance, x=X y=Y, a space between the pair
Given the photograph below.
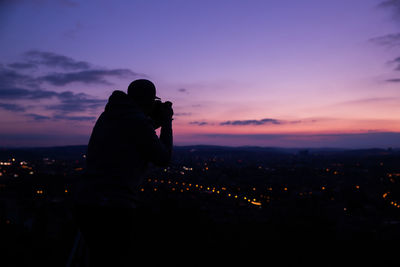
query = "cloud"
x=13 y=86
x=397 y=68
x=37 y=117
x=393 y=4
x=77 y=71
x=22 y=65
x=12 y=78
x=393 y=80
x=252 y=122
x=74 y=118
x=371 y=100
x=87 y=76
x=396 y=61
x=390 y=40
x=199 y=123
x=20 y=86
x=21 y=93
x=52 y=60
x=73 y=71
x=182 y=114
x=182 y=90
x=12 y=107
x=71 y=102
x=393 y=39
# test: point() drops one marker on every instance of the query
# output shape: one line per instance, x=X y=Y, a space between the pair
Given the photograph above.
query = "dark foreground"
x=215 y=206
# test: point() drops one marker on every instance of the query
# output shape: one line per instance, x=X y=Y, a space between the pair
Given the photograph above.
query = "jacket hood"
x=119 y=100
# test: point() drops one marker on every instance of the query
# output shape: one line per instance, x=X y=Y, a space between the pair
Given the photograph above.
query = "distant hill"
x=75 y=152
x=60 y=152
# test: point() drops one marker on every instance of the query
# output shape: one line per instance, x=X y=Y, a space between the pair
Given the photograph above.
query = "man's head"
x=143 y=93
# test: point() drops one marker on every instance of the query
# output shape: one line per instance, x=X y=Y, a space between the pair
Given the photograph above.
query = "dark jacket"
x=122 y=144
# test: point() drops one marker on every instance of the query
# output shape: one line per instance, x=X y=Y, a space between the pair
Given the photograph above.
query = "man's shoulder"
x=136 y=114
x=137 y=120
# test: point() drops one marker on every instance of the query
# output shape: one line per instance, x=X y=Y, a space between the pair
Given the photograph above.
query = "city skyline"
x=265 y=73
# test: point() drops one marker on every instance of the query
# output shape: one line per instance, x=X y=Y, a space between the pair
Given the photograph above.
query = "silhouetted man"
x=122 y=144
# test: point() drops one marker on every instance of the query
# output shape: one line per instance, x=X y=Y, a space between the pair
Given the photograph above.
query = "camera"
x=161 y=111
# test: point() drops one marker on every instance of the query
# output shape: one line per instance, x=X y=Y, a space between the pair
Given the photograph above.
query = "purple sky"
x=269 y=73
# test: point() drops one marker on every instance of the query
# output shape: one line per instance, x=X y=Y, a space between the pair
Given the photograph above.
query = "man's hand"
x=167 y=112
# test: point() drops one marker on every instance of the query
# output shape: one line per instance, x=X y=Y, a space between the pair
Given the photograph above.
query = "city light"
x=234 y=193
x=246 y=198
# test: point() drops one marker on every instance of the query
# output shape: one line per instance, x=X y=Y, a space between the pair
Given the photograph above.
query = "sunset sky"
x=284 y=73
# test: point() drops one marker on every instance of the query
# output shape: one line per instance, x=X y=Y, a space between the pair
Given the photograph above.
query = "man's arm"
x=156 y=150
x=166 y=137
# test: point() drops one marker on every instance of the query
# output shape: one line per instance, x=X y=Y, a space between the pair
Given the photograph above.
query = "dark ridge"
x=73 y=152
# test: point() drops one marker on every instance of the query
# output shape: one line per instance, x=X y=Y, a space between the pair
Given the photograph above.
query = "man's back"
x=114 y=147
x=122 y=144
